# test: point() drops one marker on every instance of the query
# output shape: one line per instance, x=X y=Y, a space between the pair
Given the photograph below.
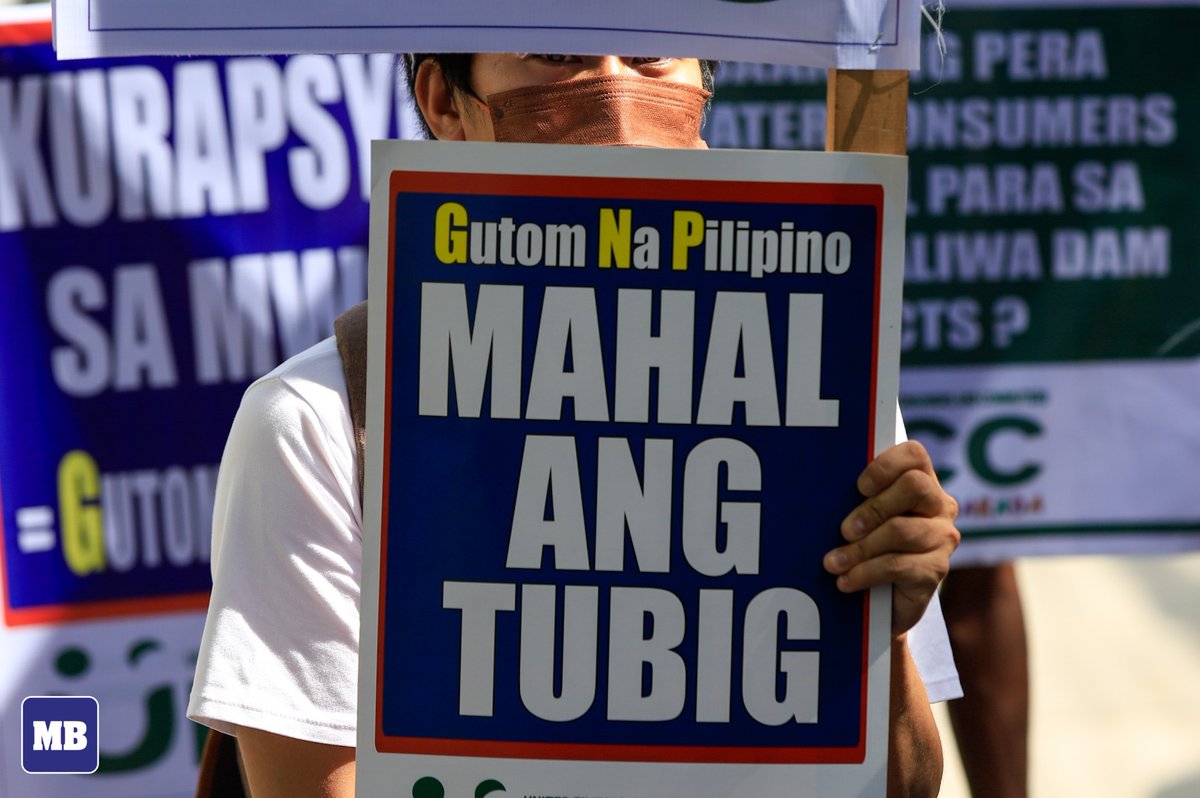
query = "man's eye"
x=649 y=60
x=554 y=58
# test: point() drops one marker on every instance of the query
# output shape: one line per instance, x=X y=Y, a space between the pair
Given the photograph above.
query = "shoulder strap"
x=351 y=331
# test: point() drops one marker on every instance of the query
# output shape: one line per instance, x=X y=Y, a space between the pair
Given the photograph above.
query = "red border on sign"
x=616 y=188
x=114 y=608
x=89 y=610
x=15 y=34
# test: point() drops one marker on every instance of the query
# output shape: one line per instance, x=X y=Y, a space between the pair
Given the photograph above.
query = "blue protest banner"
x=170 y=230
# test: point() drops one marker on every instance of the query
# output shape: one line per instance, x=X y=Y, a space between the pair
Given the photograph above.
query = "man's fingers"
x=899 y=535
x=908 y=552
x=913 y=492
x=906 y=570
x=914 y=579
x=902 y=534
x=888 y=466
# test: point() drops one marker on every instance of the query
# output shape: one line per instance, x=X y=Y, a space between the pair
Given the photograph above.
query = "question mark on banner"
x=1010 y=319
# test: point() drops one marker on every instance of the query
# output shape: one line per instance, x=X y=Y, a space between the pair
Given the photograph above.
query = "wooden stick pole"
x=867 y=111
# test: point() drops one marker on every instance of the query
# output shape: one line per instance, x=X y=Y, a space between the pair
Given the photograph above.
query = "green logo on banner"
x=73 y=662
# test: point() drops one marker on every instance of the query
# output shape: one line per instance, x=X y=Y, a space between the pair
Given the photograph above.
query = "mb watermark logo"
x=60 y=734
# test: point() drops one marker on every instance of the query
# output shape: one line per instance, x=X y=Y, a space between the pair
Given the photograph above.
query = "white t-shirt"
x=280 y=646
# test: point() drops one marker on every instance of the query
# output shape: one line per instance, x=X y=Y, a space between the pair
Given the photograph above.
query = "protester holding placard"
x=279 y=658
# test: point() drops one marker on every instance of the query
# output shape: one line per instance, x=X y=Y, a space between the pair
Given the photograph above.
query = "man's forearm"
x=914 y=745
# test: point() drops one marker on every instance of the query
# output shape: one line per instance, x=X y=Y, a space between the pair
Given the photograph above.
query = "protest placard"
x=622 y=414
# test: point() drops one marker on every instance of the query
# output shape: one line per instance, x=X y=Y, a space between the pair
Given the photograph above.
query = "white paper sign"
x=850 y=34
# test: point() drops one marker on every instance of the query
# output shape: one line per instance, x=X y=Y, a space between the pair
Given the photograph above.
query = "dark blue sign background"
x=126 y=431
x=453 y=483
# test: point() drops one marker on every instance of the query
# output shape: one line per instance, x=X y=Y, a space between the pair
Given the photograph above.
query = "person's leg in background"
x=991 y=721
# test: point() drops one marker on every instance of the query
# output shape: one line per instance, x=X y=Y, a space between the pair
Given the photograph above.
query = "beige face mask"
x=607 y=110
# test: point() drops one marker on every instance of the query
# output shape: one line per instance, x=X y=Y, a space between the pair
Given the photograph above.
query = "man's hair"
x=456 y=72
